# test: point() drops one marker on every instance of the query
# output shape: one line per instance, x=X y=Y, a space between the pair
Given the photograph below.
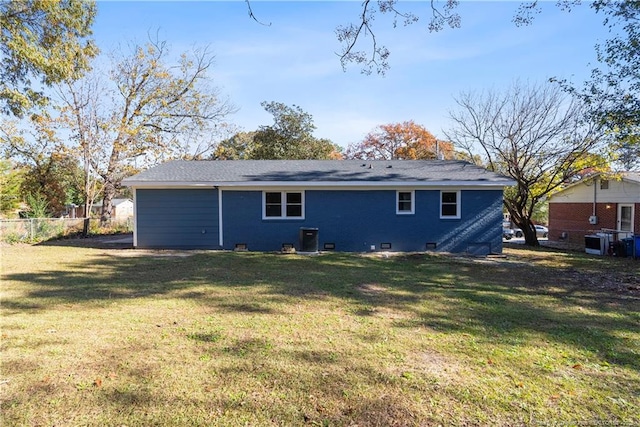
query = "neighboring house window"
x=404 y=202
x=450 y=204
x=283 y=204
x=604 y=184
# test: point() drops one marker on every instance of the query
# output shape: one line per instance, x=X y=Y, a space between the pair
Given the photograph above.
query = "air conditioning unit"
x=593 y=220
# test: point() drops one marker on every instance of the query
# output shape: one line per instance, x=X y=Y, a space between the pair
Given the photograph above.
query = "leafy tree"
x=533 y=134
x=290 y=136
x=10 y=182
x=38 y=205
x=153 y=110
x=49 y=170
x=627 y=148
x=44 y=40
x=406 y=140
x=239 y=147
x=58 y=179
x=613 y=91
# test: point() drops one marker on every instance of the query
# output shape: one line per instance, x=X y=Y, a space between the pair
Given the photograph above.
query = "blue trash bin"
x=636 y=246
x=627 y=244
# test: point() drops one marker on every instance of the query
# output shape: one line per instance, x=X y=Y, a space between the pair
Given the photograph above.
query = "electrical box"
x=593 y=220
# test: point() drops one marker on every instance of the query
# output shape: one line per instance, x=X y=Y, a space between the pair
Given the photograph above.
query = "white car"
x=541 y=231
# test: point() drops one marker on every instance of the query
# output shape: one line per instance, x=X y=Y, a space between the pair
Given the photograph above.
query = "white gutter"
x=314 y=184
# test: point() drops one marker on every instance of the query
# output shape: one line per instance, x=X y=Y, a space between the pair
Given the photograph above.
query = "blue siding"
x=177 y=218
x=355 y=220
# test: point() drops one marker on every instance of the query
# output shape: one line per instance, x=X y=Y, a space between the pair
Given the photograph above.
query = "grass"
x=137 y=338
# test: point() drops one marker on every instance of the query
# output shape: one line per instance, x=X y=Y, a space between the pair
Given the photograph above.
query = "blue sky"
x=294 y=61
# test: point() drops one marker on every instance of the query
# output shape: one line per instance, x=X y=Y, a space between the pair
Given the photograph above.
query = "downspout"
x=220 y=219
x=135 y=217
x=595 y=187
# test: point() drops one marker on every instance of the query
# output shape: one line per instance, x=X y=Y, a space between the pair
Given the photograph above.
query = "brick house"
x=595 y=203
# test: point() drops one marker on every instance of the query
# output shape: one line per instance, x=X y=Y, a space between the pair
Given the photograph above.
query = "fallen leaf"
x=97 y=382
x=577 y=366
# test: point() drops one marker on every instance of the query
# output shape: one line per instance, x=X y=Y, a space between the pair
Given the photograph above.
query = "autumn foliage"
x=400 y=141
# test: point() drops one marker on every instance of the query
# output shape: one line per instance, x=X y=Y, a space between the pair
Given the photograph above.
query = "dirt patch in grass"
x=371 y=289
x=155 y=253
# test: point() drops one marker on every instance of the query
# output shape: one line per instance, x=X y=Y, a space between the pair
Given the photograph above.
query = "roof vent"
x=364 y=164
x=389 y=166
x=370 y=166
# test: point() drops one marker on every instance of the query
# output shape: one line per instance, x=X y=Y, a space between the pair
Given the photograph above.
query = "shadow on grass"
x=103 y=241
x=489 y=299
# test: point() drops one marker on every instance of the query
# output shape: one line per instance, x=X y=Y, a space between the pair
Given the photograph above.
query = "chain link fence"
x=40 y=229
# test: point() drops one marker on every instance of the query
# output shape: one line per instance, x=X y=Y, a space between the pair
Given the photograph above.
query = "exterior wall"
x=177 y=218
x=357 y=219
x=619 y=191
x=573 y=218
x=123 y=210
x=570 y=209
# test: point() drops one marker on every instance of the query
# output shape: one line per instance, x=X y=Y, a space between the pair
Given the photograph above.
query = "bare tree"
x=534 y=134
x=149 y=111
x=80 y=111
x=376 y=56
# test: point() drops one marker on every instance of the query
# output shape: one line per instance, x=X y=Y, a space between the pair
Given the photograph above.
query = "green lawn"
x=140 y=338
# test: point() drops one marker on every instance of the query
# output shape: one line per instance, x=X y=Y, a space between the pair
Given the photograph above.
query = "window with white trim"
x=404 y=202
x=450 y=204
x=282 y=204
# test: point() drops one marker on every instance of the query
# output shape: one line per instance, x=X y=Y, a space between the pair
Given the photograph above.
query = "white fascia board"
x=173 y=184
x=322 y=184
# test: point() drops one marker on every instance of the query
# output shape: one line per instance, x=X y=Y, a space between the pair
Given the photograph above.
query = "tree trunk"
x=530 y=237
x=528 y=230
x=107 y=201
x=523 y=222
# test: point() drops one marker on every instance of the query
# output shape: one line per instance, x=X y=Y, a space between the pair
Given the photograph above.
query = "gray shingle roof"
x=220 y=172
x=631 y=176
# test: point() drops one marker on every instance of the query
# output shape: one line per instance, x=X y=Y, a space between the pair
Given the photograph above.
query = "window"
x=283 y=204
x=604 y=184
x=450 y=204
x=404 y=202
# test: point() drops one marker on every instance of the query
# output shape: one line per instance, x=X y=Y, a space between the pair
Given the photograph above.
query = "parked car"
x=541 y=231
x=507 y=233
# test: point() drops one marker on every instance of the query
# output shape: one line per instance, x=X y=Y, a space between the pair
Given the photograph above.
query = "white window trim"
x=283 y=207
x=458 y=204
x=413 y=202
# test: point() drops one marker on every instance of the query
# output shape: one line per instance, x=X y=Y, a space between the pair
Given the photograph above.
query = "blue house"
x=308 y=205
